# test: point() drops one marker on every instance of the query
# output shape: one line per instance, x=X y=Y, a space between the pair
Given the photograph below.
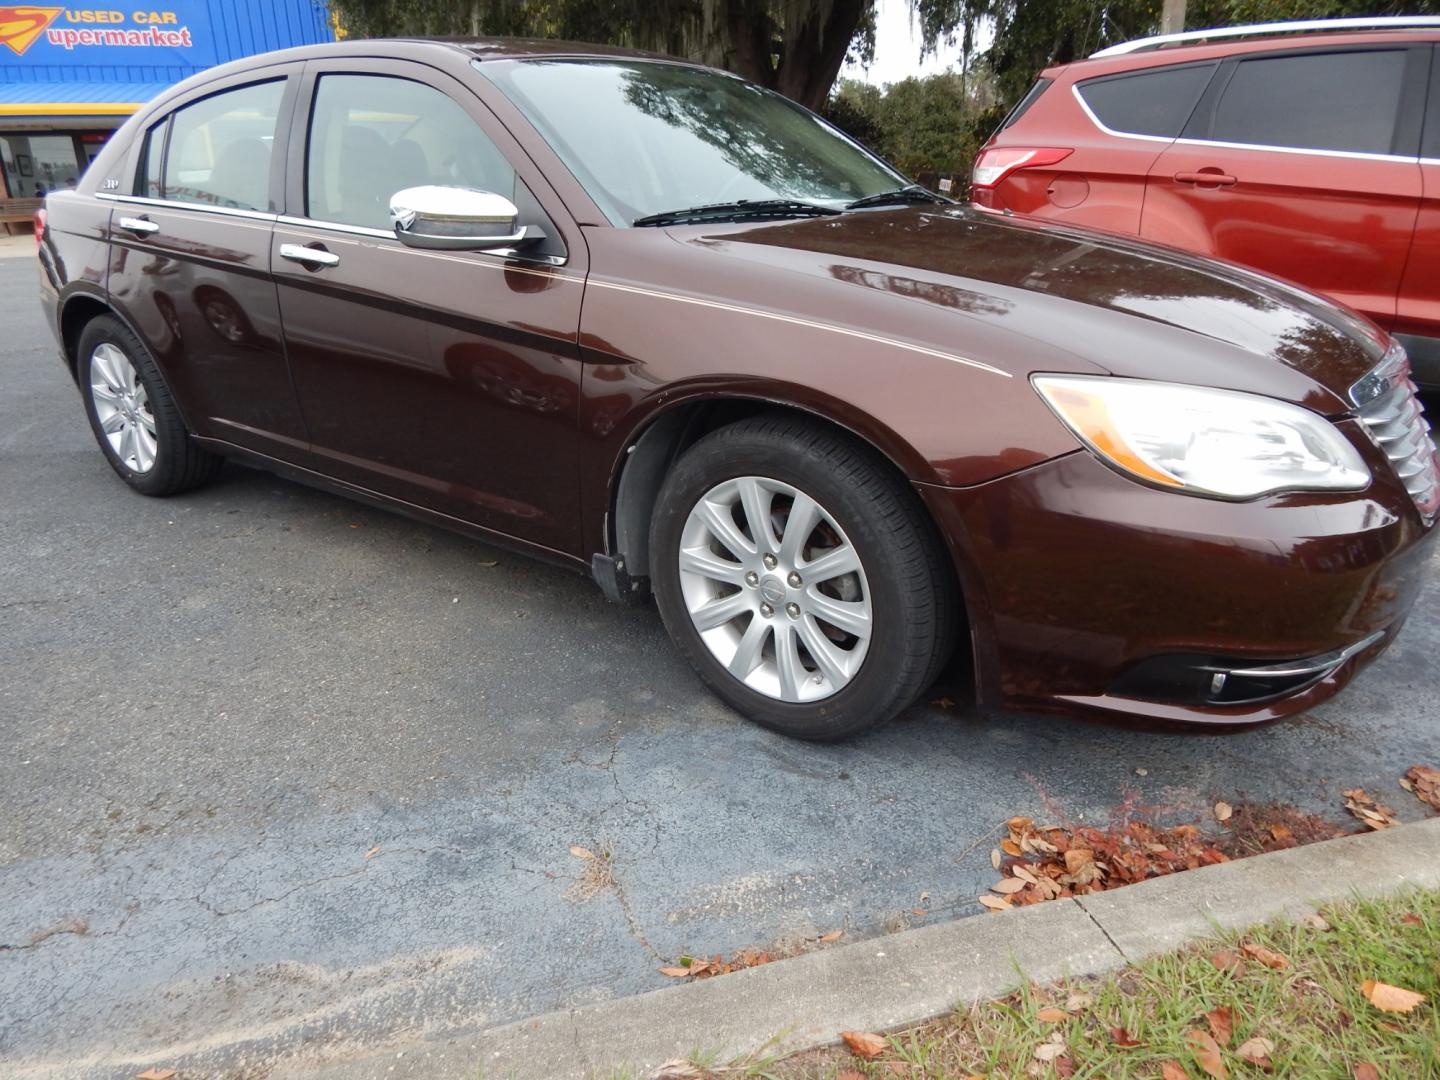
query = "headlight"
x=1204 y=442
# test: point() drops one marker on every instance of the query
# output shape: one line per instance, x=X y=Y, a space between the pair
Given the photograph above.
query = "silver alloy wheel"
x=775 y=589
x=123 y=407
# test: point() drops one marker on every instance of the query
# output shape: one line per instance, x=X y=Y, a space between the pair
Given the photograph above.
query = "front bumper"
x=1082 y=585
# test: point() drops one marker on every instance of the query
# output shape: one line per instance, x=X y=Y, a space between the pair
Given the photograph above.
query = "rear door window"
x=219 y=149
x=1317 y=101
x=1155 y=102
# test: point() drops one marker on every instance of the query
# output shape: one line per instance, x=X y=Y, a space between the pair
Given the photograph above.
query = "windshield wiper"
x=914 y=193
x=743 y=210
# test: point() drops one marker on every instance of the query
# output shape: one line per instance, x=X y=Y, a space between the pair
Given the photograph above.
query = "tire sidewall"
x=109 y=330
x=871 y=692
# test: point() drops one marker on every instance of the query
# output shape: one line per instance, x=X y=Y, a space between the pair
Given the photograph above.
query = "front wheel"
x=800 y=578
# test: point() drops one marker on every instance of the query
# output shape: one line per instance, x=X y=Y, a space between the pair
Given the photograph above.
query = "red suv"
x=1310 y=151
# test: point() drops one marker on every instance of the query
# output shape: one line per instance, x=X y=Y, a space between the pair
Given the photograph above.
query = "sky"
x=897 y=48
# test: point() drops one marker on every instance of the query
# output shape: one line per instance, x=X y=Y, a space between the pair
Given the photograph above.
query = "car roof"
x=1219 y=50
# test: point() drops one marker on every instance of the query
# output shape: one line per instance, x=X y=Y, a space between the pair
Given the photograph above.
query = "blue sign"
x=164 y=33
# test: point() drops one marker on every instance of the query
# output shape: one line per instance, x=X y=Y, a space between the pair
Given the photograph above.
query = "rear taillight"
x=39 y=227
x=995 y=164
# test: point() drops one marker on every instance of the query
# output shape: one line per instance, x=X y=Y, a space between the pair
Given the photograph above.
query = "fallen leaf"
x=1049 y=1051
x=1123 y=1039
x=1366 y=1071
x=833 y=935
x=1223 y=811
x=1173 y=1070
x=1411 y=919
x=1007 y=886
x=372 y=852
x=1391 y=999
x=1010 y=848
x=1222 y=1024
x=995 y=858
x=1317 y=922
x=582 y=852
x=1424 y=783
x=1052 y=1015
x=1272 y=960
x=166 y=1074
x=865 y=1044
x=1228 y=960
x=675 y=972
x=1256 y=1051
x=850 y=1074
x=919 y=912
x=1369 y=812
x=1063 y=1066
x=1078 y=1001
x=1207 y=1054
x=1025 y=875
x=995 y=903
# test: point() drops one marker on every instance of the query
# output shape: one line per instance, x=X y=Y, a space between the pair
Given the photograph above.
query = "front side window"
x=1318 y=101
x=219 y=152
x=152 y=158
x=1153 y=103
x=645 y=137
x=374 y=135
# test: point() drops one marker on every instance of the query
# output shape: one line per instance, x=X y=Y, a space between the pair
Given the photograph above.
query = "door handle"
x=309 y=257
x=140 y=226
x=1205 y=177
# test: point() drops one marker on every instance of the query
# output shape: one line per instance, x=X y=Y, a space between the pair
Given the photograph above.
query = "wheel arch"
x=651 y=449
x=77 y=311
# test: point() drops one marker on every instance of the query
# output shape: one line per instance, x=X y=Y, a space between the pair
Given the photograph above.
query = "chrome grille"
x=1391 y=412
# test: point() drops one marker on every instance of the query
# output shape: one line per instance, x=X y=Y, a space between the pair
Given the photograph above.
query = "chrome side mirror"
x=456 y=219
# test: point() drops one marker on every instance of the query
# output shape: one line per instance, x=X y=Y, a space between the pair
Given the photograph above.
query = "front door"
x=448 y=379
x=1303 y=165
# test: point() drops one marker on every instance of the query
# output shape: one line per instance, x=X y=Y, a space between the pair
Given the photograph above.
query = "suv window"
x=1023 y=105
x=1316 y=101
x=219 y=148
x=374 y=135
x=1156 y=102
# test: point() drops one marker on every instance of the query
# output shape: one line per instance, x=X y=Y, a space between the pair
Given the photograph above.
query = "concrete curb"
x=917 y=974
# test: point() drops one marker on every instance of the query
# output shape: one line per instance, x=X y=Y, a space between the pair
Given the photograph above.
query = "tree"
x=794 y=46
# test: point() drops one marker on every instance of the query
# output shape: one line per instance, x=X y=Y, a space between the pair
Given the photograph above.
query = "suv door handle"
x=140 y=226
x=312 y=258
x=1207 y=177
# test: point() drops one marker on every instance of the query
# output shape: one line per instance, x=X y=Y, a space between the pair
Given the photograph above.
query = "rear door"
x=1302 y=164
x=190 y=258
x=448 y=379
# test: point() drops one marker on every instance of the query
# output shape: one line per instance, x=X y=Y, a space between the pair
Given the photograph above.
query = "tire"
x=875 y=668
x=117 y=375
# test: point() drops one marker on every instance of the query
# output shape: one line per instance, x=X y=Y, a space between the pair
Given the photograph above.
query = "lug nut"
x=752 y=579
x=769 y=561
x=793 y=610
x=766 y=611
x=794 y=580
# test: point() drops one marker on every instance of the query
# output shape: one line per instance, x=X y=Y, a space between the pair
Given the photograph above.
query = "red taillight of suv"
x=998 y=162
x=39 y=228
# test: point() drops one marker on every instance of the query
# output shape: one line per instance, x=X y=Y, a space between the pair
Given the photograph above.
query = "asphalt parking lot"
x=281 y=775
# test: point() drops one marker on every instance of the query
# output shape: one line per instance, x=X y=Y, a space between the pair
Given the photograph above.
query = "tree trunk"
x=1172 y=17
x=816 y=38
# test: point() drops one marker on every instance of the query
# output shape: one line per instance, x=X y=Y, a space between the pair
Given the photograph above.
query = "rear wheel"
x=134 y=417
x=799 y=576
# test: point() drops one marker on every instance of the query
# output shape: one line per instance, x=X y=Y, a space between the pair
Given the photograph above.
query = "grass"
x=1313 y=1011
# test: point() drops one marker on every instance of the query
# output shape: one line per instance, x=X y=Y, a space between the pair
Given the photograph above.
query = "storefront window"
x=36 y=164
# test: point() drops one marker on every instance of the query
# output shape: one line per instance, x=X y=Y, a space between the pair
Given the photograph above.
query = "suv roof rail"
x=1191 y=37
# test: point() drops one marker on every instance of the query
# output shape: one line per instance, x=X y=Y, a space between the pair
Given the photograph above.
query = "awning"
x=71 y=99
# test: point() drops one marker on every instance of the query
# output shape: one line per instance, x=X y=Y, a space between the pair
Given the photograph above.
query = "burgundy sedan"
x=645 y=320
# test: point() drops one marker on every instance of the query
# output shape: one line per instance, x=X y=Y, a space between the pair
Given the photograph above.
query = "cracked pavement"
x=284 y=778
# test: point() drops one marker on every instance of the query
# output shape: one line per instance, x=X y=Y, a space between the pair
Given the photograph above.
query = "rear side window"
x=1031 y=96
x=1155 y=102
x=374 y=135
x=1319 y=101
x=219 y=153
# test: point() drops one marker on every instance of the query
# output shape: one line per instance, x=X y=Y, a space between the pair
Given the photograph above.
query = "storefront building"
x=70 y=75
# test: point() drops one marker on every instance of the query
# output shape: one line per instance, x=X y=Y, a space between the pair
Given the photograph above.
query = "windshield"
x=645 y=137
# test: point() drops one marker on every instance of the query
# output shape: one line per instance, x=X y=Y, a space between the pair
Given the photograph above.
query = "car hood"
x=1096 y=301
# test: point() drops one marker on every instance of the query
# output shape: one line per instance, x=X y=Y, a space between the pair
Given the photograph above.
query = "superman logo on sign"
x=20 y=26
